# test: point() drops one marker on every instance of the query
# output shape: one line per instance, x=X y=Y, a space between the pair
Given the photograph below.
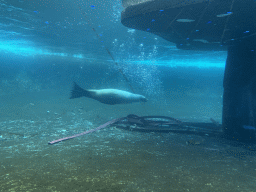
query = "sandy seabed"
x=114 y=159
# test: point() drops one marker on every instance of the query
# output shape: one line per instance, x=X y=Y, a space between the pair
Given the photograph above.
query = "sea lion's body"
x=107 y=96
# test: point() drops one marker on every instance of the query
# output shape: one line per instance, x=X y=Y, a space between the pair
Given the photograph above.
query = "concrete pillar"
x=239 y=98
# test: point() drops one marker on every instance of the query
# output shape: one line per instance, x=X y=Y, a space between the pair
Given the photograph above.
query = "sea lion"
x=107 y=96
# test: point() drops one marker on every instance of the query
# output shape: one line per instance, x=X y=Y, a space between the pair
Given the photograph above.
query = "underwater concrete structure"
x=211 y=25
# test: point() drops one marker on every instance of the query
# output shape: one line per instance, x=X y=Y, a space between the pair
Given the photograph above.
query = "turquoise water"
x=47 y=45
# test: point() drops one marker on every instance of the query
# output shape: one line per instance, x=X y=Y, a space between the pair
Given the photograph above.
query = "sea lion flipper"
x=77 y=92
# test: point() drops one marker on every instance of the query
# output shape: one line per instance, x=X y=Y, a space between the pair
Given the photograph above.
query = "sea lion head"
x=143 y=99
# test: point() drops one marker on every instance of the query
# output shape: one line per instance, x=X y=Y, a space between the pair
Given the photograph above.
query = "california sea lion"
x=107 y=96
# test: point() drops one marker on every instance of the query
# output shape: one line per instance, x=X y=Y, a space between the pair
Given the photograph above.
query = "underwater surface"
x=47 y=45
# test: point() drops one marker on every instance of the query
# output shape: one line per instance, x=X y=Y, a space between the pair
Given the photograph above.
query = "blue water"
x=46 y=45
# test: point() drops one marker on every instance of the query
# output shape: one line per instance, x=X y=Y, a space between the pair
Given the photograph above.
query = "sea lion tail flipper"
x=77 y=92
